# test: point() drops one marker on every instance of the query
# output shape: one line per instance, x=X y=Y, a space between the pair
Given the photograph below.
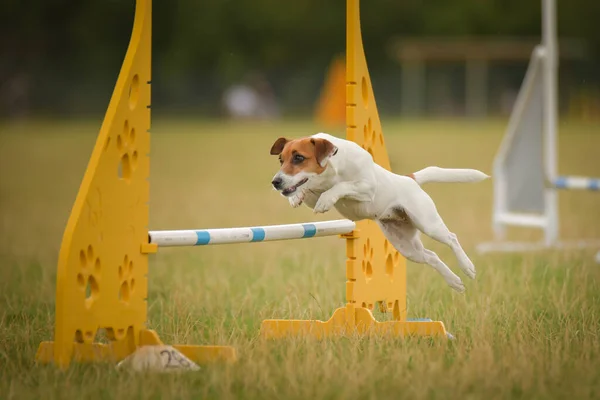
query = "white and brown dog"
x=323 y=171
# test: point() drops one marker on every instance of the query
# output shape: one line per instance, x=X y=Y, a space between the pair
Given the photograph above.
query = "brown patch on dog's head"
x=323 y=150
x=306 y=154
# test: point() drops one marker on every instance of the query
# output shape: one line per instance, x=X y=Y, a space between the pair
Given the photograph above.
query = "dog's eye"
x=280 y=161
x=298 y=159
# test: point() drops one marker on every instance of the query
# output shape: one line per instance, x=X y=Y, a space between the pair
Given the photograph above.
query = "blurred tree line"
x=63 y=57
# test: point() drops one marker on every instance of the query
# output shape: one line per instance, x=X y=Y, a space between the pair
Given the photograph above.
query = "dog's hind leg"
x=427 y=219
x=405 y=238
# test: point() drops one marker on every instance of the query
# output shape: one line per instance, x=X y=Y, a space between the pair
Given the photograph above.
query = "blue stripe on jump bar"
x=258 y=234
x=203 y=237
x=561 y=182
x=594 y=184
x=309 y=230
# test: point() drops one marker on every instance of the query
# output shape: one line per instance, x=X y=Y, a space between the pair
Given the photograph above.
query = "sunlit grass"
x=527 y=327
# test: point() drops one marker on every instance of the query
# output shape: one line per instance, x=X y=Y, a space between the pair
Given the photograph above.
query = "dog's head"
x=301 y=160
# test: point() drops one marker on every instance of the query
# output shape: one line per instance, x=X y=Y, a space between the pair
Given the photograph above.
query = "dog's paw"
x=324 y=204
x=470 y=272
x=456 y=283
x=296 y=200
x=467 y=266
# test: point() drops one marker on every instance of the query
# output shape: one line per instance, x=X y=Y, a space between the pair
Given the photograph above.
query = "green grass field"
x=527 y=328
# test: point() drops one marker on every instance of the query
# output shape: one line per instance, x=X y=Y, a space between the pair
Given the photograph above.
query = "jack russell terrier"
x=323 y=171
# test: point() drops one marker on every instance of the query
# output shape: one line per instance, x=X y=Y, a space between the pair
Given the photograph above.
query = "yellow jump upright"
x=103 y=261
x=375 y=271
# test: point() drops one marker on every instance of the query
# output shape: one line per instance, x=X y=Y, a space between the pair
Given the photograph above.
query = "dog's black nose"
x=277 y=182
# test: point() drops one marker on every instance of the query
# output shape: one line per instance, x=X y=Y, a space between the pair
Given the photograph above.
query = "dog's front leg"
x=359 y=190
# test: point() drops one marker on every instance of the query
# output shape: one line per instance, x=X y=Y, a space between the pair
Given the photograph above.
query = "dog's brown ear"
x=323 y=150
x=278 y=146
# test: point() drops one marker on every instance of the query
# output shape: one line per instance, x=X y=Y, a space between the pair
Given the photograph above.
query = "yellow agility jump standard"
x=375 y=271
x=103 y=261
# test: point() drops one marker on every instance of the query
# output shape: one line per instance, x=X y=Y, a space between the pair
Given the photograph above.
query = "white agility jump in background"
x=525 y=168
x=250 y=234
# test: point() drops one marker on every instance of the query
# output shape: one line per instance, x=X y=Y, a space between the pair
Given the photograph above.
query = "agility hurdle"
x=375 y=271
x=525 y=168
x=269 y=233
x=103 y=261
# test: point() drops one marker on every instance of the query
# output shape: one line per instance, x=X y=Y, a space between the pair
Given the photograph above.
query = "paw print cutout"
x=88 y=284
x=391 y=259
x=127 y=281
x=87 y=278
x=367 y=263
x=370 y=136
x=129 y=155
x=367 y=267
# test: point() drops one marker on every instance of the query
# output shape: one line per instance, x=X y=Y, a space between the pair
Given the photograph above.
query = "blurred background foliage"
x=62 y=58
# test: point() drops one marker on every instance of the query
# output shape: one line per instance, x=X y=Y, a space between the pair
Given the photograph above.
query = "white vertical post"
x=550 y=112
x=500 y=189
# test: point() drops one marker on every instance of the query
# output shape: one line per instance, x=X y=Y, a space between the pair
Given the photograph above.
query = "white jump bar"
x=202 y=237
x=577 y=182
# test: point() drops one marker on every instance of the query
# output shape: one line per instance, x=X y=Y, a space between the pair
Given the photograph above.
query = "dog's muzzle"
x=291 y=189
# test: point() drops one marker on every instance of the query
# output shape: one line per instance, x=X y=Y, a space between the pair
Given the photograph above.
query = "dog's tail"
x=447 y=175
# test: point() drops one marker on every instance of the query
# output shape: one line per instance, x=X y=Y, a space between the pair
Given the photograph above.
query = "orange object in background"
x=331 y=106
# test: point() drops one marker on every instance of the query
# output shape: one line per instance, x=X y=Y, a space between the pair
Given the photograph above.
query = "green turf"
x=526 y=328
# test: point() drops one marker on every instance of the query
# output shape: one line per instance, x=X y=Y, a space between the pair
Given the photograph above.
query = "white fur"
x=360 y=189
x=437 y=174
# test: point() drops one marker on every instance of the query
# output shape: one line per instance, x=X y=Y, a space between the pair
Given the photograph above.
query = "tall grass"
x=527 y=327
